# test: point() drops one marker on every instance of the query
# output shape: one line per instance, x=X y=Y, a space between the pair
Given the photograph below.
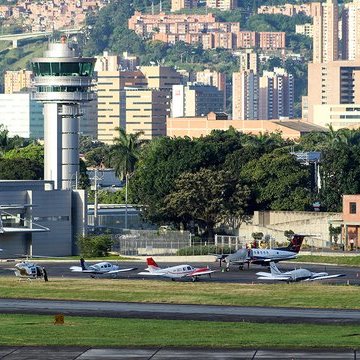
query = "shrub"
x=94 y=245
x=204 y=250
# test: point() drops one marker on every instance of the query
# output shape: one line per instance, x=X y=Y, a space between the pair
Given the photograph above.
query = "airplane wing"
x=152 y=273
x=76 y=269
x=200 y=272
x=120 y=270
x=271 y=277
x=277 y=259
x=265 y=274
x=325 y=277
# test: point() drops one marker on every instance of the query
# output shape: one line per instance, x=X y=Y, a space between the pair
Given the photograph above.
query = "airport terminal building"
x=37 y=219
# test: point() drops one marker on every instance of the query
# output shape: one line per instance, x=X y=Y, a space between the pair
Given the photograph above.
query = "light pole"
x=127 y=177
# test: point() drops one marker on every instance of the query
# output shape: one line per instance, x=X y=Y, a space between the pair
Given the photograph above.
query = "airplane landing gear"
x=227 y=269
x=241 y=267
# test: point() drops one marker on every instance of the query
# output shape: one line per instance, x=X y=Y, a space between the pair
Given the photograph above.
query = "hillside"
x=16 y=59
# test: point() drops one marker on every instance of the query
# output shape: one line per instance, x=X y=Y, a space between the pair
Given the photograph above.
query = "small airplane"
x=263 y=256
x=175 y=272
x=100 y=268
x=294 y=275
x=28 y=270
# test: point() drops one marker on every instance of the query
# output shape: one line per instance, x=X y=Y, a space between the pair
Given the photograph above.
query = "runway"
x=177 y=312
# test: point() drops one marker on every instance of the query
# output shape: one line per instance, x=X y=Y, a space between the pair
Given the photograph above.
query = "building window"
x=352 y=208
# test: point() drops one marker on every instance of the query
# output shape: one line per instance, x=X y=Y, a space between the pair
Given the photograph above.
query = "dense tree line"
x=198 y=183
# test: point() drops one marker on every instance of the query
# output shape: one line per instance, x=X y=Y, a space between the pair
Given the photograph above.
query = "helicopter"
x=28 y=270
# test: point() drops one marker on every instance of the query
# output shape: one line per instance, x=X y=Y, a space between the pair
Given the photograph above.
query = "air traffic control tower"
x=63 y=81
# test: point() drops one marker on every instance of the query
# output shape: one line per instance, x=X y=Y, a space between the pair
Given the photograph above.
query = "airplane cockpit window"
x=189 y=267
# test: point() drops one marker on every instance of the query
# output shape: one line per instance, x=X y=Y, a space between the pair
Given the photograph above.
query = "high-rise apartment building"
x=196 y=100
x=120 y=101
x=145 y=110
x=245 y=88
x=28 y=119
x=222 y=5
x=214 y=78
x=245 y=95
x=276 y=94
x=334 y=93
x=249 y=61
x=351 y=31
x=270 y=96
x=109 y=87
x=108 y=62
x=177 y=5
x=16 y=81
x=325 y=32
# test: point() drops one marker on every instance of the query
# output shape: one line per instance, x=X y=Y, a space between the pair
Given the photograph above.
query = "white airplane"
x=175 y=272
x=30 y=271
x=100 y=268
x=294 y=275
x=263 y=256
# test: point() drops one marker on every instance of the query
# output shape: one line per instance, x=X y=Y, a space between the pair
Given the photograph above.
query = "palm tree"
x=125 y=152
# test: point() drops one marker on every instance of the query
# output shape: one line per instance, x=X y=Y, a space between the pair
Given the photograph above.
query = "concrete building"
x=223 y=5
x=245 y=95
x=196 y=100
x=177 y=5
x=40 y=220
x=326 y=35
x=351 y=220
x=109 y=87
x=134 y=99
x=145 y=110
x=203 y=125
x=305 y=29
x=276 y=94
x=108 y=62
x=16 y=81
x=27 y=120
x=334 y=93
x=63 y=81
x=249 y=60
x=213 y=78
x=350 y=31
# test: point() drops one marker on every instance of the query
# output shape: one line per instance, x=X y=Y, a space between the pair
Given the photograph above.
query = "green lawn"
x=40 y=330
x=296 y=295
x=343 y=259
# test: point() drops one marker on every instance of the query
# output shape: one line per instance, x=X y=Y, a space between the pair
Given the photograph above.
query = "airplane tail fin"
x=273 y=269
x=152 y=265
x=295 y=243
x=83 y=264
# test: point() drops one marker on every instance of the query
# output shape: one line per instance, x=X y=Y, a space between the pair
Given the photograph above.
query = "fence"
x=150 y=242
x=231 y=242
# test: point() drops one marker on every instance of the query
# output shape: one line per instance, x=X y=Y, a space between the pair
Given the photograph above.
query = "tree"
x=125 y=152
x=206 y=197
x=20 y=169
x=279 y=181
x=94 y=245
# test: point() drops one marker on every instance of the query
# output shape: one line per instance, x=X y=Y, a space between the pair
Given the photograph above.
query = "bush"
x=204 y=250
x=94 y=245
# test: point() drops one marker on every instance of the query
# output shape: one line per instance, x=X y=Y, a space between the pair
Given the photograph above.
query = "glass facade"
x=63 y=89
x=63 y=68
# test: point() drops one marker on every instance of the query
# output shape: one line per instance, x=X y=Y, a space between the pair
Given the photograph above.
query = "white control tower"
x=63 y=81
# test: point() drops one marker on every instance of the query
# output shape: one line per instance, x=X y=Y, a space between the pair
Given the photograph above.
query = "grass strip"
x=345 y=259
x=40 y=330
x=308 y=295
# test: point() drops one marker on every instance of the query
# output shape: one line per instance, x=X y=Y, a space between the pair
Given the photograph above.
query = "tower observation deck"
x=63 y=82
